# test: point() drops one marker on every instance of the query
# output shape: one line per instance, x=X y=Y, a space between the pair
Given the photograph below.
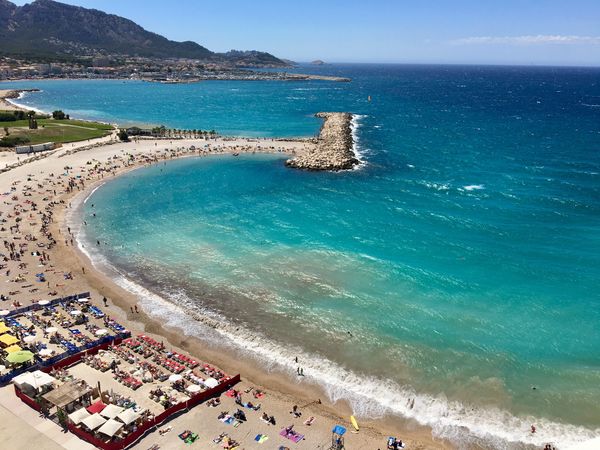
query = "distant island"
x=48 y=39
x=318 y=62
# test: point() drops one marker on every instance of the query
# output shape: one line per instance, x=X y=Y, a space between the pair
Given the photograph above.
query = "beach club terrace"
x=101 y=384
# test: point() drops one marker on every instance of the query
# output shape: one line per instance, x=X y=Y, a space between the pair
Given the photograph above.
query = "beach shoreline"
x=7 y=97
x=283 y=390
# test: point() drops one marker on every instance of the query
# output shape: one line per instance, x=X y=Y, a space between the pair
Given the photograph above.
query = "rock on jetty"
x=334 y=147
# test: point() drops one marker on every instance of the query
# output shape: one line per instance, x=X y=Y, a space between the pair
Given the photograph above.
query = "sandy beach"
x=281 y=392
x=6 y=105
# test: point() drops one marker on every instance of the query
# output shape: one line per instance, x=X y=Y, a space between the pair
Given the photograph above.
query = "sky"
x=539 y=32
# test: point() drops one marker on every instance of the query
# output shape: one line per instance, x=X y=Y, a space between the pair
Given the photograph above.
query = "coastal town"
x=146 y=69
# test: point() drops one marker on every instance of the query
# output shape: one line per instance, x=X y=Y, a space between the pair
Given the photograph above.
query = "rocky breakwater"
x=334 y=147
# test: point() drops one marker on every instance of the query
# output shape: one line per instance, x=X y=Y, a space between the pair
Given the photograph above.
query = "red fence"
x=158 y=420
x=26 y=399
x=146 y=426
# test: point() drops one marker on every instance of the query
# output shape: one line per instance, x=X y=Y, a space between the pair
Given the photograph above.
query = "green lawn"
x=57 y=130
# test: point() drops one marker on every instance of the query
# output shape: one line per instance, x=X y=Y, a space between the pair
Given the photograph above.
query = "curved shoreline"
x=418 y=436
x=71 y=258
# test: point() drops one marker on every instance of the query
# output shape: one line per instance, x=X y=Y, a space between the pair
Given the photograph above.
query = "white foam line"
x=20 y=105
x=356 y=148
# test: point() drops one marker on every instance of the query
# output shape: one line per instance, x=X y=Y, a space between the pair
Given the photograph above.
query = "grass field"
x=59 y=131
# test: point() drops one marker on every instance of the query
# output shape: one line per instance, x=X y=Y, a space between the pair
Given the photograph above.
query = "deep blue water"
x=464 y=258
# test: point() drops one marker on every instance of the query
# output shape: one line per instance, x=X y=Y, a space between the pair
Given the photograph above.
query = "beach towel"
x=292 y=436
x=227 y=419
x=261 y=438
x=230 y=393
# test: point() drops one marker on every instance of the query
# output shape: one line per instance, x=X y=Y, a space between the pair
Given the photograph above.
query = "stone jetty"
x=334 y=147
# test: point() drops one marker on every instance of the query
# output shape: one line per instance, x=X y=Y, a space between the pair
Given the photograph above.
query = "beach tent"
x=211 y=382
x=3 y=328
x=128 y=416
x=78 y=416
x=8 y=339
x=111 y=411
x=66 y=394
x=35 y=379
x=13 y=348
x=110 y=427
x=19 y=357
x=94 y=421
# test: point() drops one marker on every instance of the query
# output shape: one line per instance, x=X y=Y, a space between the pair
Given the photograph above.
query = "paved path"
x=22 y=428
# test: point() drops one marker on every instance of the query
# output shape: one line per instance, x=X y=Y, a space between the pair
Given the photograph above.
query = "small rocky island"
x=334 y=149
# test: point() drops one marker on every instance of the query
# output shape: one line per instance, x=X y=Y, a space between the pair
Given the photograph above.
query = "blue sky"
x=563 y=32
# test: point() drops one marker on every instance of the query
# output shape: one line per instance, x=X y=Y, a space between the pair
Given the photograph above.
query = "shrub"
x=123 y=136
x=13 y=141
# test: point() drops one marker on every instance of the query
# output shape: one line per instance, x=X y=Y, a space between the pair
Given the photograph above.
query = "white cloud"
x=528 y=40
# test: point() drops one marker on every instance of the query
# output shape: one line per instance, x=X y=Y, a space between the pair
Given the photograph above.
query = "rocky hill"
x=46 y=28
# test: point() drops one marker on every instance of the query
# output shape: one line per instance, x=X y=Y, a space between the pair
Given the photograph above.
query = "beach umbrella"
x=29 y=339
x=3 y=328
x=192 y=388
x=4 y=312
x=51 y=330
x=75 y=312
x=12 y=349
x=44 y=302
x=211 y=383
x=19 y=357
x=83 y=300
x=173 y=378
x=2 y=367
x=101 y=332
x=8 y=339
x=45 y=352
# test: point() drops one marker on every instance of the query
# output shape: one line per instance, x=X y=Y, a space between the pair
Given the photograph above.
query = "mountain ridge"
x=46 y=28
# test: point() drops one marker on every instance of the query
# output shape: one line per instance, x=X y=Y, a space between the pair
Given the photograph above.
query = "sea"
x=451 y=279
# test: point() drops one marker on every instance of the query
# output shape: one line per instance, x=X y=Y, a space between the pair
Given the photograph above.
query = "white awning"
x=78 y=416
x=111 y=411
x=128 y=416
x=94 y=421
x=35 y=379
x=110 y=427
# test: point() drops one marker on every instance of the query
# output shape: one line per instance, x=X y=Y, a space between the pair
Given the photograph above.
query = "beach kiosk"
x=337 y=438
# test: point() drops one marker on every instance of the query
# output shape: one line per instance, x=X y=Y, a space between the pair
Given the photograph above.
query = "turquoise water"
x=459 y=267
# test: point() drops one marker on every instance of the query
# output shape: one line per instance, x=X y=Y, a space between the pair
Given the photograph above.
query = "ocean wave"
x=473 y=187
x=358 y=150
